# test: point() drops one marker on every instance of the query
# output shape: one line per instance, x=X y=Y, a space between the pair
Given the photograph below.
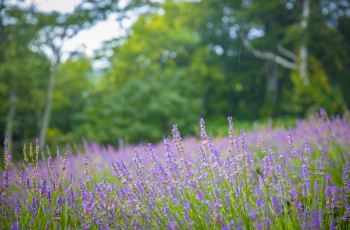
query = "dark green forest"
x=180 y=60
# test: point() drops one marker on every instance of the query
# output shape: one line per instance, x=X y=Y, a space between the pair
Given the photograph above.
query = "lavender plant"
x=268 y=179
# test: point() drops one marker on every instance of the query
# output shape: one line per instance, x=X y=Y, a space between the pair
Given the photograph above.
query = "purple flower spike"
x=277 y=206
x=187 y=205
x=204 y=136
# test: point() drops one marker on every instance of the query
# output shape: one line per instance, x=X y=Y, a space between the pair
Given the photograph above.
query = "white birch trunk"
x=303 y=52
x=48 y=107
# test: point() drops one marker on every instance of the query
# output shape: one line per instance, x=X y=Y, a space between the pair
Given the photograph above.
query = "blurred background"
x=122 y=72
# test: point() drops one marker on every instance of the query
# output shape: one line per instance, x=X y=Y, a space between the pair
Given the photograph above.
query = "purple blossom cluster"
x=267 y=179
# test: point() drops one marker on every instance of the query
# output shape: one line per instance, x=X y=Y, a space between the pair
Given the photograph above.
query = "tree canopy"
x=179 y=61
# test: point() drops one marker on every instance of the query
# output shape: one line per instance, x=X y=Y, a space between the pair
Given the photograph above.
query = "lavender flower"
x=177 y=140
x=204 y=136
x=277 y=206
x=160 y=188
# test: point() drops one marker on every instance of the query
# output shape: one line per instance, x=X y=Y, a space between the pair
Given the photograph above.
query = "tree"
x=53 y=36
x=18 y=30
x=286 y=30
x=142 y=101
x=61 y=27
x=179 y=61
x=75 y=83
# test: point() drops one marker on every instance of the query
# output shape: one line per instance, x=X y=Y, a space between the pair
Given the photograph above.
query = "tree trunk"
x=10 y=119
x=303 y=52
x=48 y=107
x=271 y=87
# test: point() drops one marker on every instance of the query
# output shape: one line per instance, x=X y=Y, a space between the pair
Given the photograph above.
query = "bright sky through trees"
x=89 y=40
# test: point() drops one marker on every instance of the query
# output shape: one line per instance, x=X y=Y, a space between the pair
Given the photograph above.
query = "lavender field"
x=266 y=179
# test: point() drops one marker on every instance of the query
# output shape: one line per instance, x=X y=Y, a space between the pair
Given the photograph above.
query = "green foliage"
x=318 y=94
x=150 y=85
x=180 y=60
x=143 y=110
x=74 y=82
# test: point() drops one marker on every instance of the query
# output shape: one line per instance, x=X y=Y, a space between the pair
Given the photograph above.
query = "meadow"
x=297 y=178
